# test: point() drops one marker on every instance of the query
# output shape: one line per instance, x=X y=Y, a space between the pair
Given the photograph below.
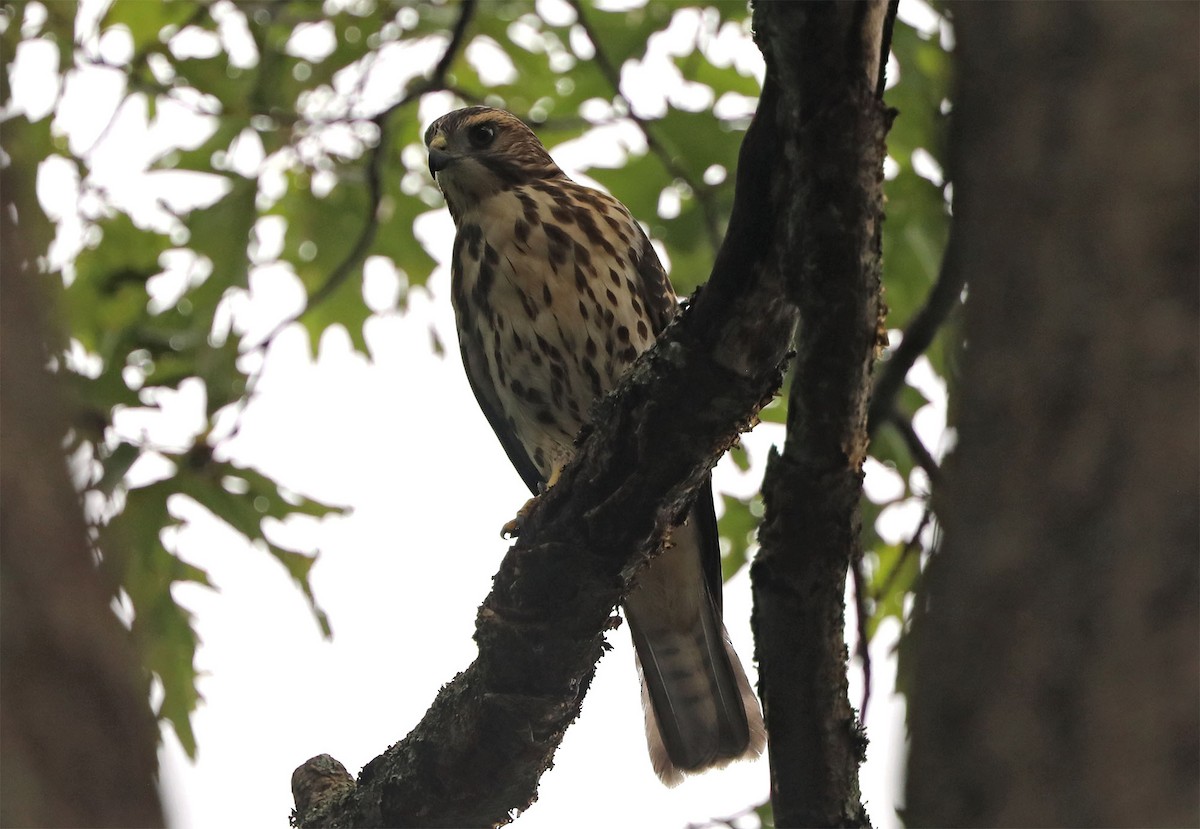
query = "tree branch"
x=827 y=57
x=862 y=644
x=477 y=755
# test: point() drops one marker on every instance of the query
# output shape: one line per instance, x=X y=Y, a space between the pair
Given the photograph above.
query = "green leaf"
x=741 y=460
x=162 y=632
x=395 y=239
x=116 y=464
x=221 y=232
x=343 y=306
x=236 y=510
x=918 y=226
x=695 y=67
x=910 y=400
x=892 y=580
x=623 y=34
x=298 y=566
x=146 y=21
x=97 y=396
x=200 y=158
x=231 y=86
x=697 y=140
x=766 y=815
x=321 y=234
x=738 y=525
x=108 y=297
x=888 y=447
x=169 y=653
x=211 y=486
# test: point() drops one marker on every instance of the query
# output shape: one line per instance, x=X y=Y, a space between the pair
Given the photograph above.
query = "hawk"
x=556 y=291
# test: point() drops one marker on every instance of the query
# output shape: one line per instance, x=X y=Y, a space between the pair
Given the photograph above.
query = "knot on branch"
x=318 y=787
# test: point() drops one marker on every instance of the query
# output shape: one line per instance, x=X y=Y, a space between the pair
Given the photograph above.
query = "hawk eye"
x=481 y=135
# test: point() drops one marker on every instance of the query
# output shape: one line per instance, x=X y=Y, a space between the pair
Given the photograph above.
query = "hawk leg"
x=512 y=529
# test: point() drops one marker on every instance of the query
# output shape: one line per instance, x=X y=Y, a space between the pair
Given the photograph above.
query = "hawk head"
x=478 y=151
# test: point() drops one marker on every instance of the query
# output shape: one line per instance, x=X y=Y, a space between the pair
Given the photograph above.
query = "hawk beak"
x=438 y=157
x=438 y=160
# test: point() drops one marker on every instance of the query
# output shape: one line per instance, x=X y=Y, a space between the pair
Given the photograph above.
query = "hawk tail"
x=701 y=712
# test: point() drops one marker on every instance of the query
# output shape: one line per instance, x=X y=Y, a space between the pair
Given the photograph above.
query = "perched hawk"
x=556 y=290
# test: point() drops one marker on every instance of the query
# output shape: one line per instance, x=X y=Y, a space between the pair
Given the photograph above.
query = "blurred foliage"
x=324 y=100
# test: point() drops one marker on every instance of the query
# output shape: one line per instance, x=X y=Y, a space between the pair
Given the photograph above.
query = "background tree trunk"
x=1056 y=669
x=77 y=739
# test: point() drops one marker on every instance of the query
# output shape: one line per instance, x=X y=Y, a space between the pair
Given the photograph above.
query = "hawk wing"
x=659 y=298
x=657 y=293
x=480 y=379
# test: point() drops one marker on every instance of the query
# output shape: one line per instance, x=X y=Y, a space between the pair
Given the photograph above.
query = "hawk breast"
x=552 y=308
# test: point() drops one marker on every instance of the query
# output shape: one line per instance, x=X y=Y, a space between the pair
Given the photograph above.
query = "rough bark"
x=77 y=739
x=827 y=57
x=1055 y=664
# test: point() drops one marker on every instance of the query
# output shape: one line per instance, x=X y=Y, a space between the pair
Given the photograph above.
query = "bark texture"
x=77 y=739
x=827 y=57
x=1055 y=654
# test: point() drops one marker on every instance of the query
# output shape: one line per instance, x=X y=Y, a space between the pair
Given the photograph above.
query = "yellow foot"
x=512 y=529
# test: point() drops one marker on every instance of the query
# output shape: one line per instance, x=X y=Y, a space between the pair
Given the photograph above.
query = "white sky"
x=398 y=439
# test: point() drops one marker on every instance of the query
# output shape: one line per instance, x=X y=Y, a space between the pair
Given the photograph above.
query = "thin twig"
x=912 y=545
x=916 y=447
x=611 y=73
x=862 y=646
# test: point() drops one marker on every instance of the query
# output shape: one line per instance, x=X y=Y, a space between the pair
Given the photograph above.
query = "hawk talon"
x=512 y=529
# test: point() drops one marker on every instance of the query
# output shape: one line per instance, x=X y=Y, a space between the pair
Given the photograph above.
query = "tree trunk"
x=77 y=739
x=1055 y=651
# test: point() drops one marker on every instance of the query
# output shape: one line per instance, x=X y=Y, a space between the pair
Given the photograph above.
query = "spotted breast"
x=547 y=299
